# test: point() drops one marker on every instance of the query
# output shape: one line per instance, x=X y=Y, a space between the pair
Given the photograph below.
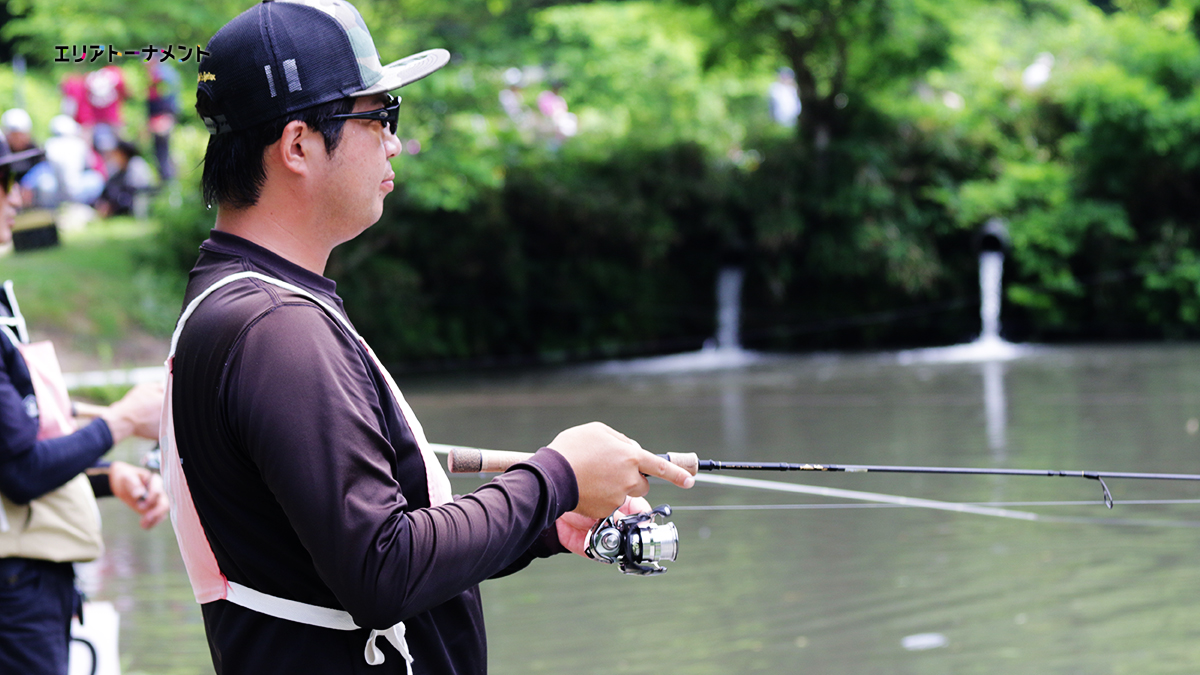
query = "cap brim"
x=407 y=70
x=13 y=157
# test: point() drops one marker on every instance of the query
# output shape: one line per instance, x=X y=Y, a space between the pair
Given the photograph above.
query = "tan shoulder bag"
x=64 y=524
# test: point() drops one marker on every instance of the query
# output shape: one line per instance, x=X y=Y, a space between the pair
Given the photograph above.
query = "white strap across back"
x=208 y=582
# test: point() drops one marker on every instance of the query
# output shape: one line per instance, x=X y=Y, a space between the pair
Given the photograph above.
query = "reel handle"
x=475 y=460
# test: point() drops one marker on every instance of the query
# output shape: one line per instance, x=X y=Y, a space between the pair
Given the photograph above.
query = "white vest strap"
x=282 y=608
x=324 y=617
x=208 y=583
x=437 y=483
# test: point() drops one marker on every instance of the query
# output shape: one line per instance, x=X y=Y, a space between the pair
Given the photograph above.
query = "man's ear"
x=296 y=147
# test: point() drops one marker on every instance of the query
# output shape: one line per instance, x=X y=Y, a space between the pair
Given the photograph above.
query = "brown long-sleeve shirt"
x=310 y=486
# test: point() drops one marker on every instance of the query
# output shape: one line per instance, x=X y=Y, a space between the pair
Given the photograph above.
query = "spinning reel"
x=635 y=542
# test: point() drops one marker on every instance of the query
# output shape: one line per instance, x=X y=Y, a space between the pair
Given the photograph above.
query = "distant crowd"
x=551 y=121
x=86 y=160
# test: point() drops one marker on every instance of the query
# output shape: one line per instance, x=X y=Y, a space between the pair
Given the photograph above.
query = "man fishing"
x=317 y=527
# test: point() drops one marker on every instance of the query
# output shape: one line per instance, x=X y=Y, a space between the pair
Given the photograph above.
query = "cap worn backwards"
x=280 y=57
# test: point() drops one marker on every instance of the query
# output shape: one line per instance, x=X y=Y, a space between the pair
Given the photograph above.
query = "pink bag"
x=54 y=406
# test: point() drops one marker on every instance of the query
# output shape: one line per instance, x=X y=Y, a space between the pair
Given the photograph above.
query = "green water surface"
x=831 y=591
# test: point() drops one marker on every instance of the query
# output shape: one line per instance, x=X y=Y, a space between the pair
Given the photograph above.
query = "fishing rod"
x=478 y=460
x=637 y=542
x=1098 y=476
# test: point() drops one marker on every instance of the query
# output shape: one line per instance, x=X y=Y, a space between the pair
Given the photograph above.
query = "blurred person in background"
x=129 y=179
x=512 y=101
x=560 y=122
x=18 y=131
x=50 y=475
x=105 y=93
x=94 y=98
x=784 y=98
x=75 y=99
x=70 y=172
x=162 y=107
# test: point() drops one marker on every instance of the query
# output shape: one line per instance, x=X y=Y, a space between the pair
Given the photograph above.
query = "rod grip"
x=475 y=460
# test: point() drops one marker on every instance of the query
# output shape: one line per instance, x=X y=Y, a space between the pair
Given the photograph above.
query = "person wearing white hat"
x=66 y=175
x=18 y=131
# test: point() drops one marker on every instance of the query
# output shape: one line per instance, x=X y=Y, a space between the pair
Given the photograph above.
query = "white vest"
x=208 y=582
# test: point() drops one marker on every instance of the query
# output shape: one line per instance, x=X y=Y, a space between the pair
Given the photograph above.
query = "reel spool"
x=635 y=543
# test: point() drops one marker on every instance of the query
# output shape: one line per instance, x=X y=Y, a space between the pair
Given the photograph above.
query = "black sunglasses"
x=8 y=178
x=389 y=114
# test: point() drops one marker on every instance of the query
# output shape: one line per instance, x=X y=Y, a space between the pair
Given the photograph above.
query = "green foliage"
x=39 y=97
x=1093 y=171
x=105 y=395
x=587 y=261
x=856 y=229
x=42 y=24
x=843 y=52
x=634 y=72
x=93 y=295
x=183 y=221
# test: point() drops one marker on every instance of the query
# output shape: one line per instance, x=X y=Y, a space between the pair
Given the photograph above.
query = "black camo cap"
x=280 y=57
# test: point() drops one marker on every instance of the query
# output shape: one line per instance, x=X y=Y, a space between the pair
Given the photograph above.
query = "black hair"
x=234 y=172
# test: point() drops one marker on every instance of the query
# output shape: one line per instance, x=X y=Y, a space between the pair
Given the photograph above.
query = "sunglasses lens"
x=389 y=114
x=7 y=179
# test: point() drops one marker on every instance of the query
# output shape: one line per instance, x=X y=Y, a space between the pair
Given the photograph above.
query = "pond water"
x=841 y=587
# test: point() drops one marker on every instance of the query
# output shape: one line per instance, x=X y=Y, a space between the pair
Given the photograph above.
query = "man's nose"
x=391 y=143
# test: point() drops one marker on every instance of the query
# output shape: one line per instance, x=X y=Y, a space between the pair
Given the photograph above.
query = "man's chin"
x=377 y=213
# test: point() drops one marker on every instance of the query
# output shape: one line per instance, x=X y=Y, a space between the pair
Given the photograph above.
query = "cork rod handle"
x=475 y=460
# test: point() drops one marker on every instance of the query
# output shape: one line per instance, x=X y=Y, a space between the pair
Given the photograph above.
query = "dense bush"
x=621 y=256
x=564 y=261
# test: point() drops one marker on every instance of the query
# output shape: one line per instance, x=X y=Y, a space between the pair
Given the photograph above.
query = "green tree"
x=842 y=51
x=41 y=24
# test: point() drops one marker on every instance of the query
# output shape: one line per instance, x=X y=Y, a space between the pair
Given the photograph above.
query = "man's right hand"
x=137 y=413
x=609 y=466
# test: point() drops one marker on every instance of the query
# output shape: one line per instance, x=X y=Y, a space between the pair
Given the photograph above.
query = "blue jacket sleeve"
x=30 y=468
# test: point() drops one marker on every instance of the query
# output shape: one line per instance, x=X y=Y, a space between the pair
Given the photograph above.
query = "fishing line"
x=1041 y=517
x=859 y=495
x=478 y=460
x=1079 y=520
x=1085 y=520
x=915 y=502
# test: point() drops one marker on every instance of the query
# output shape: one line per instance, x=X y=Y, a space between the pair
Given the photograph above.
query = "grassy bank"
x=95 y=296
